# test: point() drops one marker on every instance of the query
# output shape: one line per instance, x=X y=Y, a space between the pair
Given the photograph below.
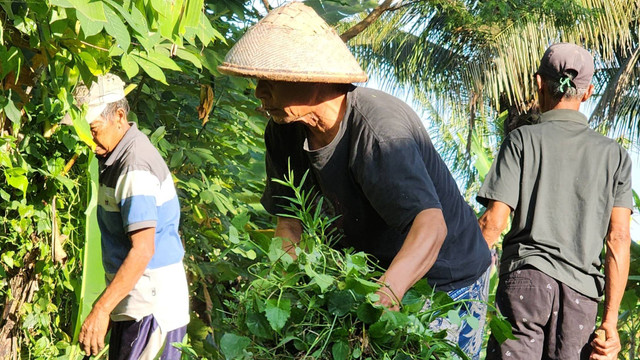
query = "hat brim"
x=294 y=76
x=94 y=111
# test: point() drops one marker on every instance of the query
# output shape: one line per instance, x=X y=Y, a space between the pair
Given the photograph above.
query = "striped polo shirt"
x=137 y=192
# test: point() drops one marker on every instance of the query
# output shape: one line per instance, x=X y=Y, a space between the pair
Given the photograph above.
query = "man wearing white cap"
x=146 y=299
x=569 y=189
x=369 y=156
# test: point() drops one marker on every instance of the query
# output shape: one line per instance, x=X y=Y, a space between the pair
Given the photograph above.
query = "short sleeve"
x=623 y=196
x=394 y=179
x=502 y=183
x=137 y=191
x=281 y=142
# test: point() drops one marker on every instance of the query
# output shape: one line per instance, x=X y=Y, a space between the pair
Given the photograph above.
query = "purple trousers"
x=133 y=340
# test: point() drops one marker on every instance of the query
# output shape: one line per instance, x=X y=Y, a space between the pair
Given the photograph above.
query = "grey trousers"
x=550 y=320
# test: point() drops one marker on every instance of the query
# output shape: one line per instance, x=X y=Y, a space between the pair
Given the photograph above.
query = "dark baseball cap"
x=564 y=59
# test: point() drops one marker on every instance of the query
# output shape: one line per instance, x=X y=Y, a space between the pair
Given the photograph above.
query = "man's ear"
x=588 y=93
x=541 y=94
x=539 y=82
x=121 y=116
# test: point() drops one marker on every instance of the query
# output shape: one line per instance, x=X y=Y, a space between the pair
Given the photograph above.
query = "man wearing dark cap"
x=569 y=190
x=369 y=156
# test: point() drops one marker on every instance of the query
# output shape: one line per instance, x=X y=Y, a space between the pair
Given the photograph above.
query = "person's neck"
x=565 y=105
x=323 y=123
x=561 y=105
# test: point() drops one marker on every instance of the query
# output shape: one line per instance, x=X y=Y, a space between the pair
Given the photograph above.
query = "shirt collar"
x=122 y=145
x=564 y=114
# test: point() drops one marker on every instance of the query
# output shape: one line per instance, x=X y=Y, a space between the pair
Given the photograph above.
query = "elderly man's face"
x=286 y=102
x=107 y=133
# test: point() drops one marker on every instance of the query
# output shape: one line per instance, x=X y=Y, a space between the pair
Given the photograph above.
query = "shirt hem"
x=484 y=198
x=555 y=270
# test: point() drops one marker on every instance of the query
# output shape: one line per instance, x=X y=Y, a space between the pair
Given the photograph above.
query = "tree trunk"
x=373 y=16
x=23 y=285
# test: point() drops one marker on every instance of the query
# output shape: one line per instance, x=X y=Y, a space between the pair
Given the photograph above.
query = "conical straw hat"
x=293 y=43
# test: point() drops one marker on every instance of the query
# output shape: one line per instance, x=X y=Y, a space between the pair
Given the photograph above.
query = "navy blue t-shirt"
x=378 y=173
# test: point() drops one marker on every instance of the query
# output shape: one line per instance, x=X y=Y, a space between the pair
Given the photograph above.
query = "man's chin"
x=100 y=151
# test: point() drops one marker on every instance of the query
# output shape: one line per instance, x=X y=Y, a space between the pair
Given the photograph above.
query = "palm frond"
x=468 y=67
x=513 y=57
x=618 y=92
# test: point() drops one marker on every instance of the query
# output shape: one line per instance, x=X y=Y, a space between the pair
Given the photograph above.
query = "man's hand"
x=389 y=298
x=494 y=221
x=606 y=349
x=94 y=330
x=290 y=230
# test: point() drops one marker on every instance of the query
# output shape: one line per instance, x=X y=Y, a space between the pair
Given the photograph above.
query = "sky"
x=635 y=176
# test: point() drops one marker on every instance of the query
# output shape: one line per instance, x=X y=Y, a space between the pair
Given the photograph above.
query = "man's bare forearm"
x=418 y=252
x=131 y=269
x=616 y=268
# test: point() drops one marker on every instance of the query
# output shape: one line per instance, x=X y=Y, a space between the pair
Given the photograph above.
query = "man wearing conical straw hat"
x=369 y=156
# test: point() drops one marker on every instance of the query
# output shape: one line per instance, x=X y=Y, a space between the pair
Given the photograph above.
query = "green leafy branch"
x=324 y=304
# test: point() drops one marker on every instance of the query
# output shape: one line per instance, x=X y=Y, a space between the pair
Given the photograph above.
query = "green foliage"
x=324 y=305
x=46 y=48
x=248 y=296
x=334 y=11
x=629 y=319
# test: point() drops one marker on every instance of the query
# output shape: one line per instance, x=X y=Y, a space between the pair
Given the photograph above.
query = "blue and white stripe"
x=139 y=200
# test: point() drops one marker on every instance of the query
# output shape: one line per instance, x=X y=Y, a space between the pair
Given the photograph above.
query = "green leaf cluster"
x=46 y=49
x=324 y=305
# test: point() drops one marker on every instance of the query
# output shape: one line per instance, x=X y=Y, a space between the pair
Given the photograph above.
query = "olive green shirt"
x=561 y=179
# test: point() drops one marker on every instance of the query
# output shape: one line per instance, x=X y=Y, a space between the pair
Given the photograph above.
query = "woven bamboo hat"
x=293 y=43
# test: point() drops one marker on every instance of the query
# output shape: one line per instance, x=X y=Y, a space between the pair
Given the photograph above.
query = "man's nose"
x=262 y=89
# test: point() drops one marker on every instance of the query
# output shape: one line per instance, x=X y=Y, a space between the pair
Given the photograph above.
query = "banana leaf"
x=93 y=281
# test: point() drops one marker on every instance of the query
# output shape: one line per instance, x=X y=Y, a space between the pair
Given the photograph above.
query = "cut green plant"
x=323 y=305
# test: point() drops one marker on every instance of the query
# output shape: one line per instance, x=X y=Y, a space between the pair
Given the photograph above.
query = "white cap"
x=108 y=89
